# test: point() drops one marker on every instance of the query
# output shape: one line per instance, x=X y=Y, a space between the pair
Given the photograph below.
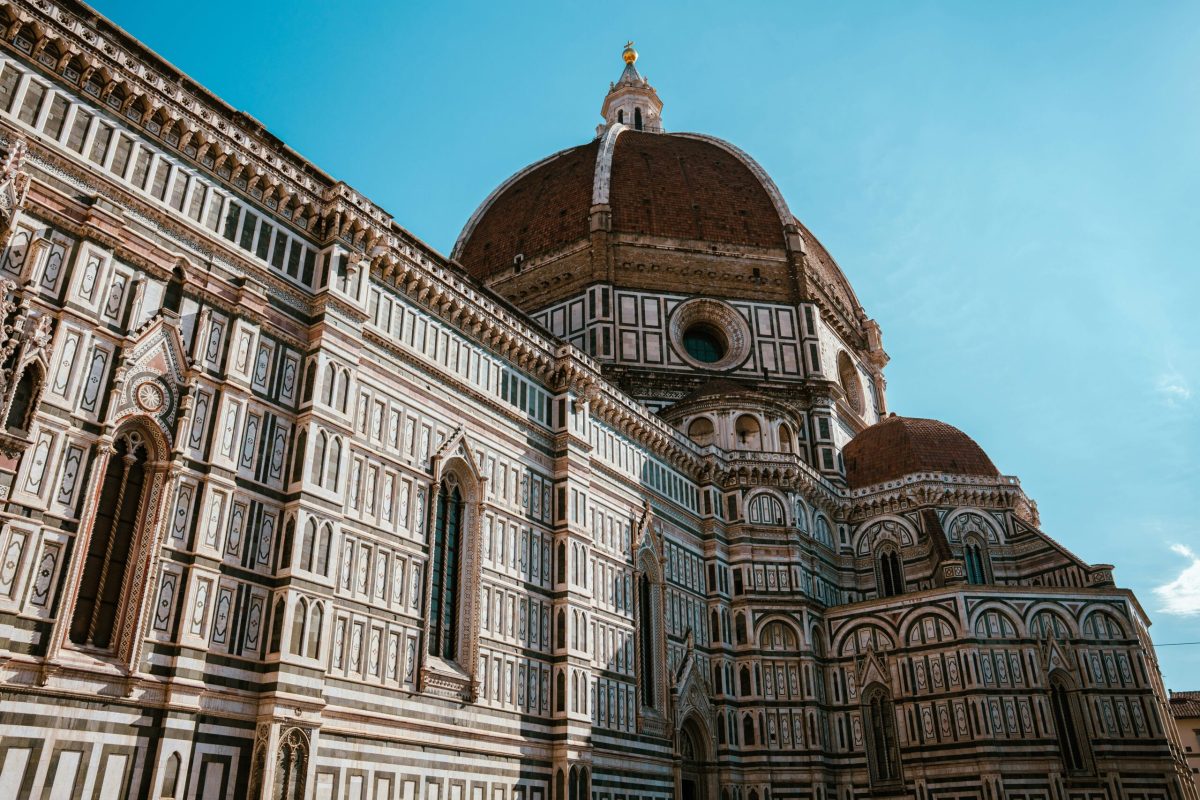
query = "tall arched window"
x=1066 y=726
x=786 y=443
x=298 y=456
x=883 y=750
x=112 y=543
x=637 y=119
x=328 y=381
x=299 y=621
x=851 y=384
x=975 y=561
x=324 y=543
x=747 y=433
x=314 y=631
x=277 y=626
x=307 y=543
x=344 y=391
x=447 y=552
x=170 y=781
x=646 y=645
x=335 y=463
x=318 y=458
x=891 y=572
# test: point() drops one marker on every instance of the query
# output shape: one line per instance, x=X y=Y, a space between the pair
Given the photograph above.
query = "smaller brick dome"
x=899 y=446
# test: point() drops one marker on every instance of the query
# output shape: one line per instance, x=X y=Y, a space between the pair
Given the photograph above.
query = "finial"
x=630 y=55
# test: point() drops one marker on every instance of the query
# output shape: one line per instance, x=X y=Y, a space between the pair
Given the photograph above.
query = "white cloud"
x=1182 y=595
x=1174 y=389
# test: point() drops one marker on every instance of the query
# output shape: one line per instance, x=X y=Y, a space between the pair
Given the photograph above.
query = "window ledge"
x=444 y=678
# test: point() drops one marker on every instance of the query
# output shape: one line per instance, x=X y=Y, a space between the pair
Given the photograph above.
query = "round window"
x=704 y=343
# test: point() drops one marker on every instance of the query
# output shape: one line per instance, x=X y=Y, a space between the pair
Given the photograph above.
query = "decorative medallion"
x=150 y=397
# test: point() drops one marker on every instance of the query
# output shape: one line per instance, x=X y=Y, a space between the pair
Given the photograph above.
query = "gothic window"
x=307 y=544
x=285 y=549
x=701 y=431
x=310 y=377
x=170 y=781
x=748 y=433
x=324 y=543
x=24 y=399
x=879 y=723
x=277 y=625
x=344 y=391
x=739 y=627
x=291 y=769
x=823 y=534
x=111 y=547
x=647 y=622
x=1102 y=626
x=765 y=509
x=621 y=116
x=444 y=591
x=890 y=577
x=1066 y=724
x=744 y=689
x=637 y=118
x=299 y=621
x=976 y=561
x=747 y=729
x=335 y=463
x=298 y=456
x=314 y=632
x=801 y=516
x=327 y=384
x=318 y=458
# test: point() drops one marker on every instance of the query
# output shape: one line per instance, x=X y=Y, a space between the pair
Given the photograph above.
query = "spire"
x=631 y=101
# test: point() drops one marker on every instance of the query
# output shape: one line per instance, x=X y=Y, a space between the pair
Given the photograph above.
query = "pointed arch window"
x=1066 y=725
x=637 y=119
x=975 y=560
x=647 y=624
x=24 y=399
x=445 y=563
x=765 y=509
x=891 y=572
x=883 y=750
x=299 y=622
x=112 y=544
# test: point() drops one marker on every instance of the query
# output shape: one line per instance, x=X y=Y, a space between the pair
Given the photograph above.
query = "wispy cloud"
x=1173 y=388
x=1182 y=595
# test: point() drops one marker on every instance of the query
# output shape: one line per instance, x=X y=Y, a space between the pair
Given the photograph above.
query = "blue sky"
x=1012 y=188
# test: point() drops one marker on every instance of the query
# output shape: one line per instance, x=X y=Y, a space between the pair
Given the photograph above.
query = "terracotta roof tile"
x=899 y=446
x=1185 y=705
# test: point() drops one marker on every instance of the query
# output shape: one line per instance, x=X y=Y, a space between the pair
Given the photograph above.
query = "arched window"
x=739 y=627
x=447 y=549
x=1046 y=625
x=323 y=547
x=561 y=693
x=335 y=463
x=307 y=544
x=318 y=458
x=328 y=382
x=637 y=119
x=747 y=729
x=562 y=562
x=298 y=456
x=890 y=577
x=24 y=399
x=744 y=689
x=748 y=433
x=277 y=625
x=112 y=545
x=299 y=621
x=310 y=378
x=701 y=431
x=851 y=383
x=883 y=751
x=344 y=391
x=778 y=637
x=314 y=632
x=560 y=630
x=801 y=516
x=621 y=116
x=285 y=549
x=1066 y=724
x=170 y=781
x=646 y=625
x=823 y=534
x=291 y=767
x=975 y=560
x=765 y=509
x=786 y=442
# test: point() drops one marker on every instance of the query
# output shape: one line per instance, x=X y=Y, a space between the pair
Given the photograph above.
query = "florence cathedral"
x=607 y=505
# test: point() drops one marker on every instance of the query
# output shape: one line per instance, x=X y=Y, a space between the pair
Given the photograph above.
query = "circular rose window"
x=709 y=334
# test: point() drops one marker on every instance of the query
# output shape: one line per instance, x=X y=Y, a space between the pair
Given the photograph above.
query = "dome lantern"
x=631 y=101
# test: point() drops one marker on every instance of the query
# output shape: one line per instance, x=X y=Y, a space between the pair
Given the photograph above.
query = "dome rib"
x=899 y=446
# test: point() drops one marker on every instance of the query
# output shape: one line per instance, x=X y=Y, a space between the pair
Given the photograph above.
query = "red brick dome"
x=674 y=186
x=899 y=446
